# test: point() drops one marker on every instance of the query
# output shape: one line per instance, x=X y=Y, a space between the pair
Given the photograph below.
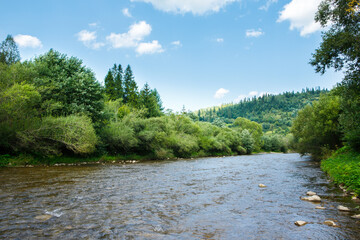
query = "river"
x=209 y=198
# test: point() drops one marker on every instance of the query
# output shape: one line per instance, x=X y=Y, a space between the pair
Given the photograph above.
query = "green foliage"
x=67 y=87
x=247 y=141
x=316 y=128
x=275 y=143
x=131 y=95
x=340 y=50
x=119 y=137
x=9 y=53
x=255 y=129
x=52 y=136
x=110 y=85
x=274 y=112
x=148 y=100
x=344 y=168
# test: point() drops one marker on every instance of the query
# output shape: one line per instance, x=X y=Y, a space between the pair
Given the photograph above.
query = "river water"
x=209 y=198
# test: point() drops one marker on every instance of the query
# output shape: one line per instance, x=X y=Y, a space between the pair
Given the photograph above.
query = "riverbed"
x=208 y=198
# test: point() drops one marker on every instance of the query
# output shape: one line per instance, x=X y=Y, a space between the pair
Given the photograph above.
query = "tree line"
x=53 y=106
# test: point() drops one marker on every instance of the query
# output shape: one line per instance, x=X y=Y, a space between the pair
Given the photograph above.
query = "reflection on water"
x=210 y=198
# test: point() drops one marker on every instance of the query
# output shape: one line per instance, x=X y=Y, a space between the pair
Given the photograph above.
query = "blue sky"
x=196 y=53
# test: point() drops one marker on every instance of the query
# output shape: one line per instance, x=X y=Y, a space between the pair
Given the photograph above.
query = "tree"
x=131 y=94
x=110 y=85
x=316 y=128
x=118 y=81
x=340 y=49
x=9 y=52
x=150 y=101
x=67 y=87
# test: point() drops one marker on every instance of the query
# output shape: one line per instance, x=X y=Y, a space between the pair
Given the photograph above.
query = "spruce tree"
x=131 y=94
x=9 y=52
x=110 y=85
x=119 y=89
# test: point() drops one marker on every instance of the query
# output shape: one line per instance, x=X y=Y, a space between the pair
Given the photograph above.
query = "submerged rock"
x=320 y=207
x=314 y=198
x=300 y=223
x=310 y=193
x=330 y=223
x=43 y=218
x=342 y=208
x=262 y=185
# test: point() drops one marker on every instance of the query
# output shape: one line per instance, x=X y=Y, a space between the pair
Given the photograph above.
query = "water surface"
x=210 y=198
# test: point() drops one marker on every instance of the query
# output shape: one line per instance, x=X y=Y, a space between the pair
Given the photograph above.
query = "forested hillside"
x=274 y=112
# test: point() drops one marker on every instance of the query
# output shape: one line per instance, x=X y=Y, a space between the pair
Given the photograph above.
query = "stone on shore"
x=320 y=207
x=300 y=223
x=310 y=193
x=43 y=218
x=262 y=185
x=330 y=223
x=342 y=208
x=356 y=216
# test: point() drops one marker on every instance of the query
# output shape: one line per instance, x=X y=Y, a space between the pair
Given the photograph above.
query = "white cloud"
x=254 y=33
x=176 y=43
x=196 y=7
x=220 y=93
x=27 y=41
x=89 y=39
x=249 y=95
x=93 y=24
x=132 y=38
x=301 y=15
x=149 y=48
x=267 y=5
x=126 y=12
x=220 y=40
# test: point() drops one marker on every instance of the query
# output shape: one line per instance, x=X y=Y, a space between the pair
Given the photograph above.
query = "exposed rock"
x=314 y=198
x=68 y=228
x=262 y=185
x=320 y=207
x=300 y=223
x=330 y=223
x=342 y=208
x=356 y=216
x=310 y=193
x=354 y=198
x=43 y=218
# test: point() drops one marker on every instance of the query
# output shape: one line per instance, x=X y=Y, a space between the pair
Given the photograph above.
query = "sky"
x=196 y=53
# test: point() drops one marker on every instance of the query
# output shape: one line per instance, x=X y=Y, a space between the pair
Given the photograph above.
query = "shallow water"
x=210 y=198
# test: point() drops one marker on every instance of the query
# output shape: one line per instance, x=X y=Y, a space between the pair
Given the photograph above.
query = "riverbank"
x=30 y=161
x=343 y=167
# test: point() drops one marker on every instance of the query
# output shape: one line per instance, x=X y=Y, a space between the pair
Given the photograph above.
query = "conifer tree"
x=118 y=77
x=110 y=85
x=9 y=52
x=131 y=94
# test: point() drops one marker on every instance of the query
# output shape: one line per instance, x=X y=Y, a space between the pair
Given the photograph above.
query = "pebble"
x=300 y=223
x=314 y=198
x=320 y=207
x=43 y=218
x=310 y=193
x=342 y=208
x=330 y=223
x=356 y=216
x=262 y=185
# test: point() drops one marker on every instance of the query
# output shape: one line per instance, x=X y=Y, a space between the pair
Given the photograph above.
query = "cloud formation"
x=89 y=39
x=196 y=7
x=220 y=93
x=176 y=43
x=254 y=33
x=267 y=5
x=137 y=32
x=301 y=14
x=25 y=41
x=249 y=95
x=220 y=40
x=149 y=48
x=126 y=12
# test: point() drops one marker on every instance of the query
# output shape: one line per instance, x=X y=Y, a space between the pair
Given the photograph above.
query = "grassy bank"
x=344 y=168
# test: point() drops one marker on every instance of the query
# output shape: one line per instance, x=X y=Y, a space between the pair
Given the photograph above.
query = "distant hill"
x=274 y=112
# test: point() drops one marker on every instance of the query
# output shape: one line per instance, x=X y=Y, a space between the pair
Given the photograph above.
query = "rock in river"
x=43 y=218
x=342 y=208
x=300 y=223
x=262 y=185
x=330 y=223
x=320 y=207
x=314 y=198
x=356 y=216
x=310 y=193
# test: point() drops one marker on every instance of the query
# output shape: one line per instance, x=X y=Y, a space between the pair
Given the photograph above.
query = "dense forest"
x=274 y=112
